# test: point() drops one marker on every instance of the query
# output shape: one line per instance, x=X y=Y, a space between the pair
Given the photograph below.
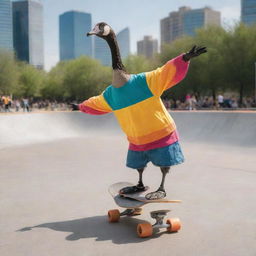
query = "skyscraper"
x=6 y=37
x=199 y=18
x=73 y=26
x=248 y=11
x=185 y=22
x=28 y=32
x=172 y=26
x=147 y=47
x=123 y=39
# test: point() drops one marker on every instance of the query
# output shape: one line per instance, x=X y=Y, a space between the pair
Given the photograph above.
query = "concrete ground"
x=55 y=170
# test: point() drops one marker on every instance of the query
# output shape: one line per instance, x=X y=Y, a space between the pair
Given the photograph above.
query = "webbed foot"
x=132 y=189
x=159 y=194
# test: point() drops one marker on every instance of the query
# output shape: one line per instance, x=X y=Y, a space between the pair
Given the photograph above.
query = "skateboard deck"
x=131 y=201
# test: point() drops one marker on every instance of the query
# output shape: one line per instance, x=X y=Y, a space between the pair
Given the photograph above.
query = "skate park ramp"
x=55 y=170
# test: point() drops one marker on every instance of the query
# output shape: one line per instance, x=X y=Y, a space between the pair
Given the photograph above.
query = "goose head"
x=102 y=30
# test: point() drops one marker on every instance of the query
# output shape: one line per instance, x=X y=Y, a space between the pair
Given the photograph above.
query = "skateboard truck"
x=171 y=225
x=131 y=212
x=159 y=217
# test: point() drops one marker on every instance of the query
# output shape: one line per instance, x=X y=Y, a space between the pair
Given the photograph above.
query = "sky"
x=141 y=16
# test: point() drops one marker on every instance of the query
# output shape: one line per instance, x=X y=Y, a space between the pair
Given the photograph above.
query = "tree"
x=239 y=56
x=53 y=89
x=8 y=72
x=29 y=82
x=210 y=65
x=85 y=77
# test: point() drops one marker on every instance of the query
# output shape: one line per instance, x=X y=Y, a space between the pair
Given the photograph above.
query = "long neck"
x=116 y=57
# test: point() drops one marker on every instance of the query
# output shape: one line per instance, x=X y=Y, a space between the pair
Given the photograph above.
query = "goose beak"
x=95 y=31
x=91 y=33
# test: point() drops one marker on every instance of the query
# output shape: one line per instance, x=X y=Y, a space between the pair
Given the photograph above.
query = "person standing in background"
x=220 y=100
x=25 y=104
x=6 y=101
x=17 y=105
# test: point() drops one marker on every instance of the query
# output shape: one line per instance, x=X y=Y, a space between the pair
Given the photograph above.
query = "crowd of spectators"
x=190 y=102
x=28 y=105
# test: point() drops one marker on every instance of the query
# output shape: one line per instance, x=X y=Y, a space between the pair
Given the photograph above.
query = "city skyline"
x=140 y=20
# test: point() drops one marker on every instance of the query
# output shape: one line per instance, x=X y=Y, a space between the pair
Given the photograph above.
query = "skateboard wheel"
x=144 y=230
x=113 y=215
x=174 y=223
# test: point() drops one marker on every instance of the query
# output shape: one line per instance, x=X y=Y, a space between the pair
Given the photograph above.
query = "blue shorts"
x=162 y=157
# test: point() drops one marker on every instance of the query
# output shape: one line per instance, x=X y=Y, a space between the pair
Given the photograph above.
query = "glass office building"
x=6 y=37
x=28 y=32
x=123 y=39
x=73 y=42
x=192 y=20
x=199 y=18
x=186 y=21
x=248 y=11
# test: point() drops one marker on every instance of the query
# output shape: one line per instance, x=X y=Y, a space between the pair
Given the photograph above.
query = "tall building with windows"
x=185 y=21
x=172 y=26
x=73 y=42
x=123 y=39
x=28 y=31
x=147 y=47
x=248 y=11
x=6 y=37
x=199 y=18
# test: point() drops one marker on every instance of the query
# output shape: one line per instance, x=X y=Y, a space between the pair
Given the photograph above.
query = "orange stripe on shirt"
x=152 y=136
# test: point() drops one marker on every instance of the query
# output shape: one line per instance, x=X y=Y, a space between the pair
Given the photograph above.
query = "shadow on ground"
x=99 y=228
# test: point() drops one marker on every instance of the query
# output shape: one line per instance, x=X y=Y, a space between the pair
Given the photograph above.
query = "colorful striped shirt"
x=138 y=107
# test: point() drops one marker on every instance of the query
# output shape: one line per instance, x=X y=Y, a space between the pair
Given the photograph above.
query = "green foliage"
x=29 y=82
x=239 y=56
x=85 y=77
x=53 y=88
x=76 y=79
x=8 y=73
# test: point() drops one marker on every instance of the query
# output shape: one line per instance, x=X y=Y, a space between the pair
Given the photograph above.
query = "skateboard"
x=133 y=204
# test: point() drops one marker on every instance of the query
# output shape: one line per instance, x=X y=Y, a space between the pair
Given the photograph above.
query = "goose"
x=135 y=100
x=119 y=74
